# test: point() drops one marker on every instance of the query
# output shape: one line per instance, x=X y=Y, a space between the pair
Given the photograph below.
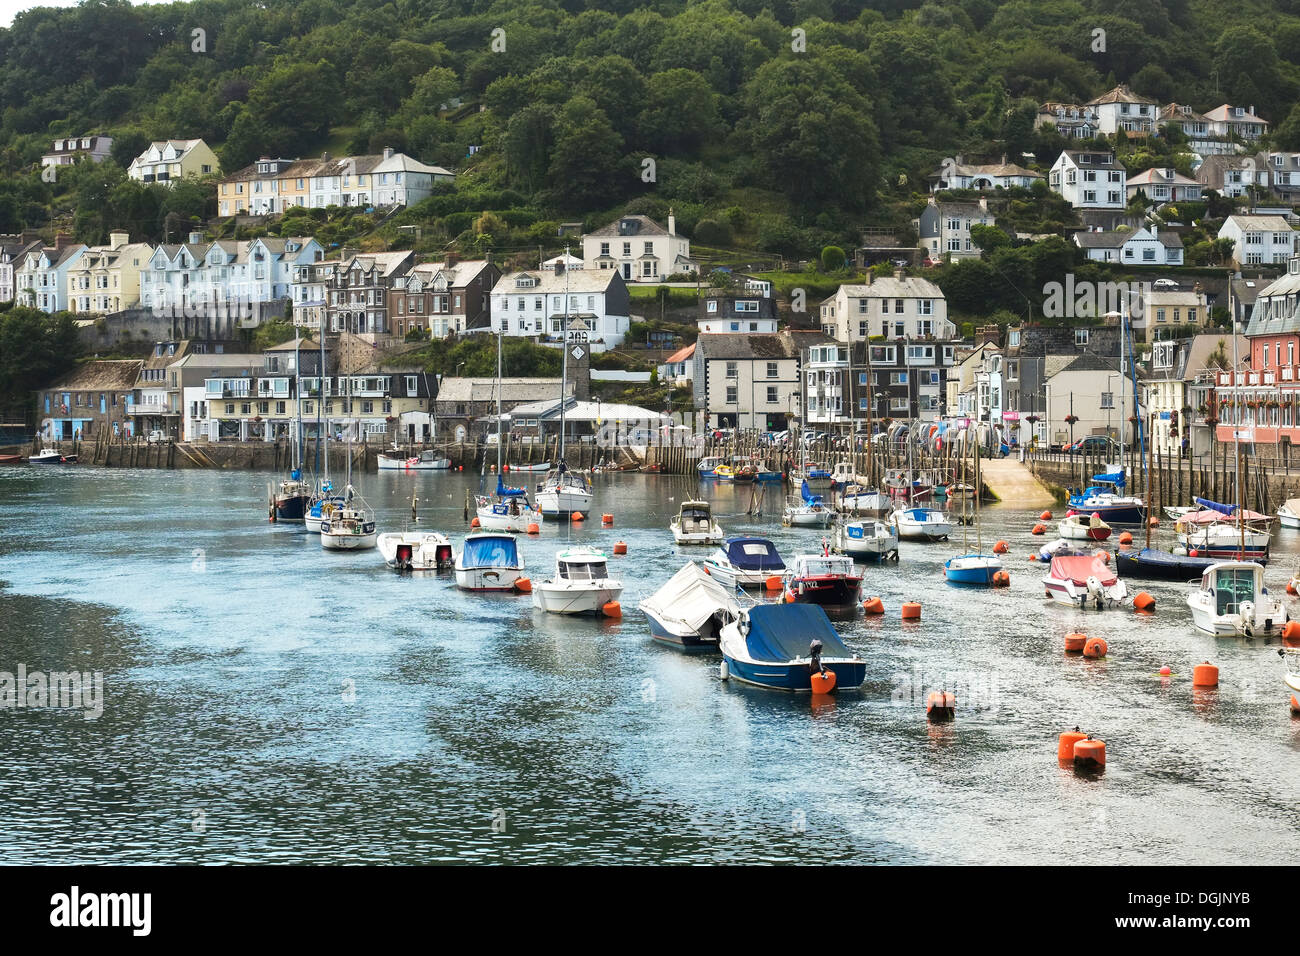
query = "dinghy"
x=690 y=610
x=1081 y=527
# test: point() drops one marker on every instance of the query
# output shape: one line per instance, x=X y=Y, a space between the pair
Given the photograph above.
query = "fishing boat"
x=1225 y=531
x=508 y=509
x=1231 y=599
x=806 y=510
x=922 y=524
x=868 y=539
x=489 y=561
x=581 y=584
x=707 y=466
x=51 y=456
x=781 y=646
x=974 y=568
x=694 y=524
x=1080 y=527
x=1289 y=513
x=351 y=527
x=427 y=460
x=829 y=580
x=745 y=562
x=1084 y=581
x=743 y=468
x=416 y=551
x=690 y=610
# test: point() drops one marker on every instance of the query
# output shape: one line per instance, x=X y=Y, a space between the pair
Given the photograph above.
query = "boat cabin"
x=695 y=517
x=1232 y=585
x=581 y=566
x=823 y=566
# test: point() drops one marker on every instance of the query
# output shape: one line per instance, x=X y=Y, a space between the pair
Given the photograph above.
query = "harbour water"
x=266 y=701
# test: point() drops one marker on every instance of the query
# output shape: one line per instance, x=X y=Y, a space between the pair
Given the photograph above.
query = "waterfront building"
x=95 y=398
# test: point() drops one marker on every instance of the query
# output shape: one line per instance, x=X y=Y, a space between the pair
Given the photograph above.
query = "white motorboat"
x=745 y=562
x=564 y=492
x=694 y=524
x=922 y=524
x=416 y=550
x=51 y=456
x=691 y=609
x=1231 y=599
x=859 y=500
x=1084 y=581
x=1081 y=527
x=428 y=460
x=1289 y=513
x=1178 y=512
x=351 y=527
x=581 y=585
x=1229 y=533
x=489 y=561
x=866 y=540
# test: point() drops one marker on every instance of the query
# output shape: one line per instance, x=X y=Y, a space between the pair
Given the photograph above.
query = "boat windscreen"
x=583 y=570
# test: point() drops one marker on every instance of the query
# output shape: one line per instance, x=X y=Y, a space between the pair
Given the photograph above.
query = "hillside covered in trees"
x=777 y=125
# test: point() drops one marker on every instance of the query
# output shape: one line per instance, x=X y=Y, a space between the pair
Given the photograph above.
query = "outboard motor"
x=815 y=664
x=1095 y=590
x=1247 y=611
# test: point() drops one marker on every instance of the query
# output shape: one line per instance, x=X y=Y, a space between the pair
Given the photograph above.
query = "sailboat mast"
x=1236 y=440
x=498 y=390
x=564 y=358
x=1151 y=463
x=297 y=417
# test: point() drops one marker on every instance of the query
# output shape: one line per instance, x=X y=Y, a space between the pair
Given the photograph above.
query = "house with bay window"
x=535 y=304
x=1089 y=180
x=444 y=298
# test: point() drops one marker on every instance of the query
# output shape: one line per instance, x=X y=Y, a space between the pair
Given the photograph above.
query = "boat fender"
x=724 y=671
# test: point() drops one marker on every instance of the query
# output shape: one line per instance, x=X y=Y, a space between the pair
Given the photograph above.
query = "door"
x=627 y=270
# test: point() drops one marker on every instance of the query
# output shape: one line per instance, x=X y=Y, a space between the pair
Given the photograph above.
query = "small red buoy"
x=1001 y=548
x=773 y=582
x=941 y=705
x=912 y=611
x=577 y=516
x=1074 y=643
x=1166 y=671
x=1037 y=529
x=505 y=469
x=607 y=519
x=1095 y=648
x=873 y=605
x=1033 y=557
x=474 y=523
x=1103 y=555
x=823 y=683
x=1290 y=587
x=1142 y=601
x=1153 y=522
x=789 y=597
x=1065 y=744
x=1193 y=553
x=534 y=529
x=1045 y=516
x=620 y=547
x=1090 y=754
x=1126 y=537
x=612 y=609
x=1205 y=675
x=523 y=585
x=1001 y=578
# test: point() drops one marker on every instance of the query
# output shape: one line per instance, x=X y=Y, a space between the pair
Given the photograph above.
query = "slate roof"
x=102 y=375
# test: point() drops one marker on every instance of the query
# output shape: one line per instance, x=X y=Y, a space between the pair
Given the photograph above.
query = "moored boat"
x=1154 y=564
x=976 y=569
x=829 y=580
x=1084 y=581
x=11 y=459
x=706 y=467
x=489 y=561
x=694 y=524
x=415 y=550
x=427 y=460
x=807 y=510
x=860 y=500
x=1231 y=599
x=1081 y=527
x=581 y=584
x=781 y=646
x=745 y=562
x=1225 y=531
x=690 y=609
x=351 y=527
x=1107 y=500
x=51 y=456
x=869 y=539
x=1288 y=513
x=922 y=524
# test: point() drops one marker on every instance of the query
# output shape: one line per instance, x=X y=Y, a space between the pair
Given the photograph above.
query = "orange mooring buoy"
x=1090 y=754
x=1037 y=529
x=523 y=585
x=941 y=705
x=612 y=609
x=577 y=516
x=474 y=523
x=912 y=611
x=823 y=683
x=1065 y=745
x=789 y=597
x=1103 y=555
x=873 y=605
x=1142 y=601
x=1001 y=578
x=1074 y=643
x=1154 y=522
x=1045 y=516
x=534 y=529
x=1001 y=548
x=1295 y=706
x=773 y=582
x=1291 y=634
x=606 y=519
x=620 y=547
x=1126 y=537
x=1290 y=587
x=1205 y=675
x=1094 y=647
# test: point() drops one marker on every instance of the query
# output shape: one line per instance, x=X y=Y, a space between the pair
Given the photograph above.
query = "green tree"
x=35 y=349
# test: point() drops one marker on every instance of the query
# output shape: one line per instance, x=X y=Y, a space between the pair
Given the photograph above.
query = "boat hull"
x=1114 y=514
x=416 y=552
x=975 y=569
x=413 y=464
x=348 y=540
x=831 y=594
x=809 y=519
x=1288 y=519
x=1154 y=565
x=488 y=579
x=563 y=503
x=677 y=637
x=795 y=676
x=291 y=507
x=569 y=600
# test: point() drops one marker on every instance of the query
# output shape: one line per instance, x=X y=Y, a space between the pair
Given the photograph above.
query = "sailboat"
x=351 y=526
x=507 y=509
x=1225 y=531
x=976 y=567
x=564 y=492
x=324 y=502
x=806 y=509
x=294 y=496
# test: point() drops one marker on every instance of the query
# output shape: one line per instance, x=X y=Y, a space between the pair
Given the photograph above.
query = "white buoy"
x=723 y=671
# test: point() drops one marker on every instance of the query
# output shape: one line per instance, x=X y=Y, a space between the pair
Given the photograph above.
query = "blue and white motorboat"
x=745 y=562
x=922 y=524
x=867 y=540
x=707 y=466
x=977 y=569
x=489 y=561
x=1107 y=501
x=781 y=646
x=690 y=610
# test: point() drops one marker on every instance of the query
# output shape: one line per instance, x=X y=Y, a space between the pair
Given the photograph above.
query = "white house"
x=985 y=176
x=1136 y=247
x=1121 y=108
x=1089 y=180
x=65 y=152
x=1164 y=184
x=676 y=368
x=899 y=307
x=639 y=249
x=1070 y=119
x=535 y=303
x=1239 y=121
x=12 y=254
x=401 y=180
x=945 y=228
x=224 y=275
x=168 y=160
x=1259 y=239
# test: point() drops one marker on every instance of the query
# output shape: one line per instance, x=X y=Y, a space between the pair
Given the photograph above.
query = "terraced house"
x=107 y=278
x=13 y=250
x=443 y=298
x=238 y=277
x=41 y=279
x=357 y=288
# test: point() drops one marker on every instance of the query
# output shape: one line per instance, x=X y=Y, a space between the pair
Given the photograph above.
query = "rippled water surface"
x=267 y=701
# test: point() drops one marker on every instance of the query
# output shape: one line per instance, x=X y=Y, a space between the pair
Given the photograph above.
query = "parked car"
x=156 y=437
x=1092 y=445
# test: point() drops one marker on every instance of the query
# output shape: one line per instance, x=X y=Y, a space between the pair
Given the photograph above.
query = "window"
x=711 y=306
x=897 y=378
x=771 y=370
x=862 y=329
x=731 y=370
x=898 y=306
x=771 y=395
x=731 y=395
x=1107 y=399
x=1080 y=336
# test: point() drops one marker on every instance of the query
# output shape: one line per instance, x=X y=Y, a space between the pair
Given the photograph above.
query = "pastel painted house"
x=168 y=160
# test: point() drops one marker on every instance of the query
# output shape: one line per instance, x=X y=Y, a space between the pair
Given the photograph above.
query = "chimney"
x=559 y=267
x=984 y=204
x=450 y=259
x=898 y=273
x=324 y=157
x=117 y=239
x=61 y=241
x=388 y=152
x=1252 y=109
x=196 y=238
x=672 y=222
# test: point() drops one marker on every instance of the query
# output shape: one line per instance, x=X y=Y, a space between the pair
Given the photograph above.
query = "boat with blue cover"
x=781 y=646
x=489 y=561
x=745 y=562
x=1106 y=499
